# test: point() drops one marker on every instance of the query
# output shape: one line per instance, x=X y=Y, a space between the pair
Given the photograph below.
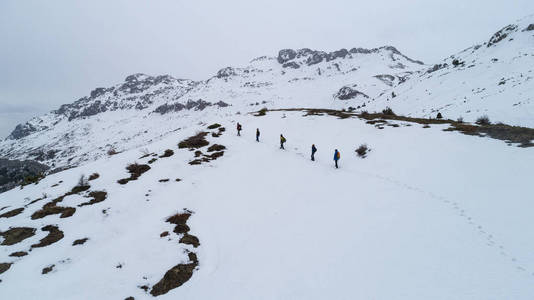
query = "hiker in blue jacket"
x=337 y=156
x=314 y=149
x=257 y=134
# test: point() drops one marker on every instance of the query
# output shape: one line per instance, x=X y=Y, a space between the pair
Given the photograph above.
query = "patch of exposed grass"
x=135 y=170
x=98 y=196
x=216 y=147
x=4 y=267
x=54 y=235
x=94 y=176
x=261 y=112
x=48 y=269
x=80 y=241
x=167 y=153
x=189 y=239
x=194 y=142
x=16 y=235
x=18 y=254
x=215 y=125
x=12 y=213
x=174 y=278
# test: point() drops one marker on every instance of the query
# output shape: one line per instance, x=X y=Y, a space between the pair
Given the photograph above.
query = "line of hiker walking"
x=337 y=155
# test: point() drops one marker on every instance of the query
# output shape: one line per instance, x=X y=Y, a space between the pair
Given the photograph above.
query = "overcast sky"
x=55 y=52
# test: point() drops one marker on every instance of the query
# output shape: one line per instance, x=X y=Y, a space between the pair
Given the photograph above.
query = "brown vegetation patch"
x=215 y=125
x=164 y=234
x=16 y=235
x=51 y=207
x=207 y=158
x=135 y=170
x=98 y=196
x=216 y=147
x=4 y=267
x=48 y=269
x=179 y=218
x=164 y=180
x=18 y=254
x=178 y=180
x=94 y=176
x=80 y=241
x=167 y=153
x=54 y=235
x=153 y=160
x=12 y=213
x=510 y=134
x=173 y=278
x=189 y=239
x=194 y=142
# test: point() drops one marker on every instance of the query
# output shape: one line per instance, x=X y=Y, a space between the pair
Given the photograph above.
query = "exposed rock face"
x=347 y=93
x=196 y=105
x=286 y=55
x=437 y=67
x=291 y=64
x=529 y=27
x=12 y=172
x=386 y=78
x=226 y=72
x=21 y=131
x=501 y=34
x=290 y=58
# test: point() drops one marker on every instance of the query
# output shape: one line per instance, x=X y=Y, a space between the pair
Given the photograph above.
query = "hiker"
x=282 y=141
x=313 y=152
x=337 y=156
x=257 y=134
x=238 y=129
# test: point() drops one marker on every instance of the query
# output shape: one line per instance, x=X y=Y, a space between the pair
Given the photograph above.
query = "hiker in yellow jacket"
x=282 y=141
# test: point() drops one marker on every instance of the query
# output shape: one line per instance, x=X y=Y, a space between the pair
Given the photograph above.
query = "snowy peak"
x=290 y=58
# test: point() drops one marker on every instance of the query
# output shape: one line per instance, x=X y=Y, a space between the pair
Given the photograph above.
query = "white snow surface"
x=427 y=214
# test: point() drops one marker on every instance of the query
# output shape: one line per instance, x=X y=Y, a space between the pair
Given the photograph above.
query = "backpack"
x=283 y=139
x=338 y=156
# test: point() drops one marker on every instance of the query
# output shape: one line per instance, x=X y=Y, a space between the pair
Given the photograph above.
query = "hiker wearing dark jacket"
x=313 y=152
x=282 y=141
x=238 y=129
x=257 y=134
x=337 y=156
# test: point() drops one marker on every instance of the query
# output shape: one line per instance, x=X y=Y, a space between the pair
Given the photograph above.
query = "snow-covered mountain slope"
x=495 y=78
x=144 y=108
x=409 y=221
